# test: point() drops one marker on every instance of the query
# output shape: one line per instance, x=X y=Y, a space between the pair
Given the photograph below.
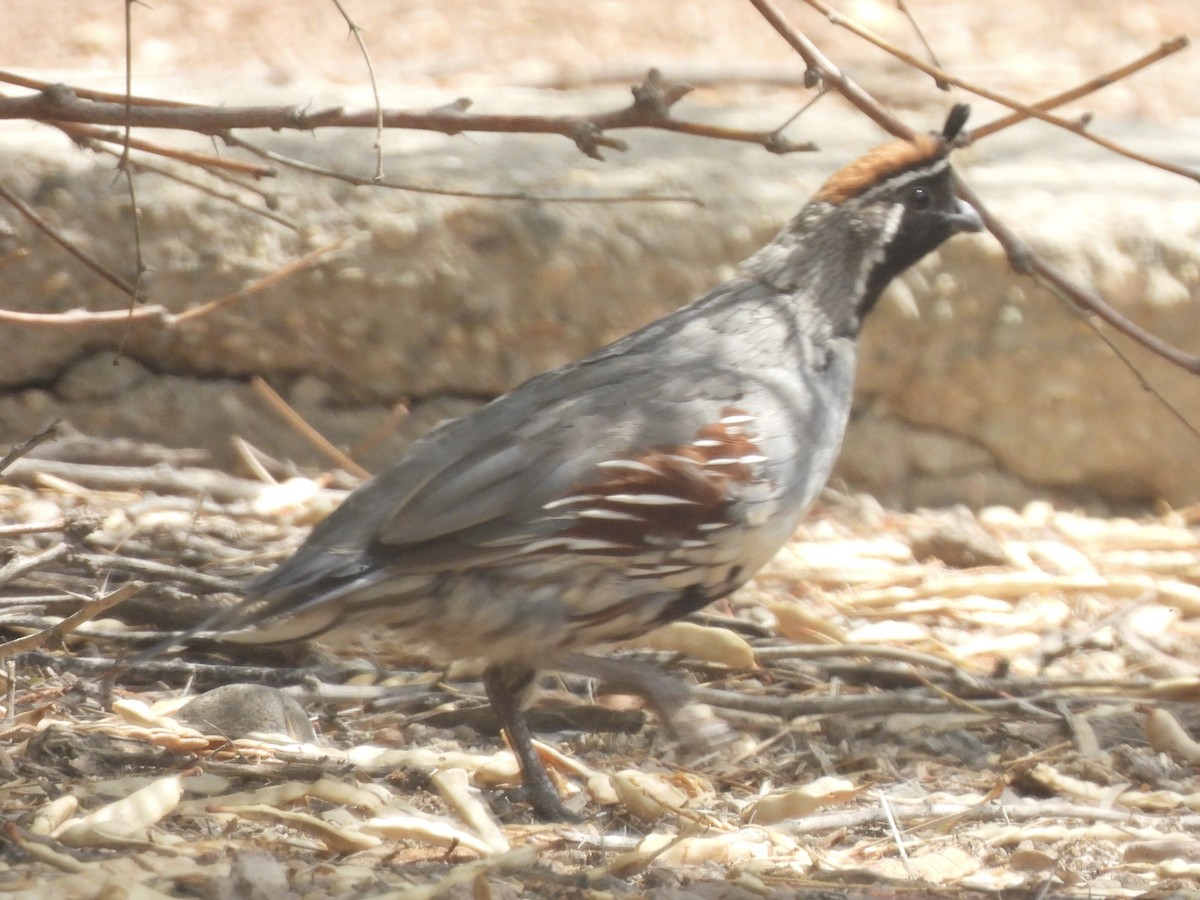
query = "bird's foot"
x=548 y=806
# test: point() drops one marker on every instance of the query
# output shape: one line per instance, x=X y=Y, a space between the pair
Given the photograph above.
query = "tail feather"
x=288 y=616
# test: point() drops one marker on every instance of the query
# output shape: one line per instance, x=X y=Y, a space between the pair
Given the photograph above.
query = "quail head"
x=602 y=499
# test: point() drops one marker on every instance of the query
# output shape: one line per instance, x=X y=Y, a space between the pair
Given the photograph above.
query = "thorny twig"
x=49 y=433
x=57 y=632
x=356 y=31
x=31 y=215
x=62 y=103
x=22 y=565
x=159 y=571
x=912 y=21
x=1026 y=262
x=139 y=263
x=204 y=160
x=159 y=316
x=140 y=165
x=1020 y=256
x=1034 y=111
x=186 y=481
x=358 y=180
x=307 y=261
x=298 y=424
x=1162 y=51
x=651 y=107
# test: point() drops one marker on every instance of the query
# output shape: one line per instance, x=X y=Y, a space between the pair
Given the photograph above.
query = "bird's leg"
x=666 y=695
x=506 y=684
x=689 y=723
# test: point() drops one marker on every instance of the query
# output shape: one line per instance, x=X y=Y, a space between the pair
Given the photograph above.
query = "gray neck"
x=825 y=246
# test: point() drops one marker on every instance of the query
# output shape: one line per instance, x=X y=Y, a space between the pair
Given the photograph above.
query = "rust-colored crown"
x=882 y=162
x=891 y=159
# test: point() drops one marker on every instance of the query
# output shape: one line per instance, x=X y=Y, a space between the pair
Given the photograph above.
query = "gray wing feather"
x=473 y=489
x=498 y=489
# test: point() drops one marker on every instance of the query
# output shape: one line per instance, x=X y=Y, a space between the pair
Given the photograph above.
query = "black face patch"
x=930 y=215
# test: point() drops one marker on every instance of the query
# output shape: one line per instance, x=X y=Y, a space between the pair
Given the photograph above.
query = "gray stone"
x=239 y=710
x=101 y=376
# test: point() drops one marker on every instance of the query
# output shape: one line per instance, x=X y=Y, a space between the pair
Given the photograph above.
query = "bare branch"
x=1165 y=49
x=23 y=565
x=158 y=315
x=57 y=632
x=188 y=481
x=1147 y=385
x=941 y=77
x=359 y=181
x=822 y=69
x=123 y=166
x=58 y=103
x=301 y=427
x=1025 y=261
x=141 y=165
x=80 y=133
x=88 y=94
x=1058 y=283
x=261 y=284
x=362 y=46
x=85 y=318
x=139 y=261
x=1020 y=256
x=59 y=238
x=49 y=433
x=912 y=20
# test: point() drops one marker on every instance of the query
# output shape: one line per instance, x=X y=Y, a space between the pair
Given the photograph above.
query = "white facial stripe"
x=894 y=181
x=894 y=215
x=879 y=249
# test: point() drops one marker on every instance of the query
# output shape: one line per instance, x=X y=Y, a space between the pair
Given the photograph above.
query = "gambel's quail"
x=602 y=499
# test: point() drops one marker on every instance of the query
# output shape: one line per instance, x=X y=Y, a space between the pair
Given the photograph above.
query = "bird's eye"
x=919 y=198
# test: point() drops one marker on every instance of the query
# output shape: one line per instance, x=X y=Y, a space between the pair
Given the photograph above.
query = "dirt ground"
x=927 y=704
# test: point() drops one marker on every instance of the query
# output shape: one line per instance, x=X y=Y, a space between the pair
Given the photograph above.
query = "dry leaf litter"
x=940 y=700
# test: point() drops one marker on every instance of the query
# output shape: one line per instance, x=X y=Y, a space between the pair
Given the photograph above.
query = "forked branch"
x=1020 y=256
x=651 y=108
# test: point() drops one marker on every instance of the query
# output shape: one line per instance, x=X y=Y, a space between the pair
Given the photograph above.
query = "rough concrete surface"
x=976 y=385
